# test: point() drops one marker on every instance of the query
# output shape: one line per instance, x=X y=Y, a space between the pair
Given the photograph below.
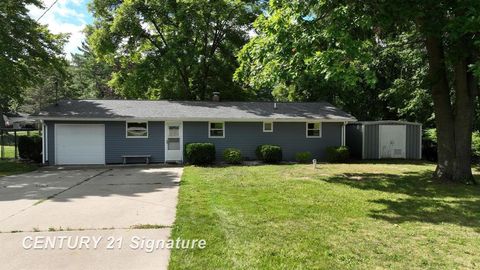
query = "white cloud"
x=66 y=16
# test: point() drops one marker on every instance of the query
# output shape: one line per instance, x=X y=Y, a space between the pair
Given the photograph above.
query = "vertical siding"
x=371 y=141
x=116 y=143
x=353 y=140
x=413 y=142
x=248 y=135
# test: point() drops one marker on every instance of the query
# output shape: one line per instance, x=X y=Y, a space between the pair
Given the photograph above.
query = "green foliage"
x=303 y=157
x=30 y=148
x=28 y=49
x=429 y=144
x=269 y=153
x=476 y=144
x=337 y=154
x=232 y=156
x=172 y=49
x=200 y=153
x=89 y=77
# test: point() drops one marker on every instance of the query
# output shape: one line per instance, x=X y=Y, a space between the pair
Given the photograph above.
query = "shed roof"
x=191 y=110
x=385 y=122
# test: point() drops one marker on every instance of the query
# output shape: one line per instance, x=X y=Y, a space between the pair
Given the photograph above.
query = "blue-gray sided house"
x=102 y=131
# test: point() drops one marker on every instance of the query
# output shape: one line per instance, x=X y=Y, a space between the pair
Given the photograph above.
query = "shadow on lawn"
x=429 y=201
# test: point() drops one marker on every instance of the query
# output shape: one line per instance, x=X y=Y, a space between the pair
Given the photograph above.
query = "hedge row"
x=204 y=154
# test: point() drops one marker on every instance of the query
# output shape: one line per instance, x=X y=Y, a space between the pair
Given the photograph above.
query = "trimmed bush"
x=200 y=153
x=269 y=153
x=30 y=148
x=303 y=157
x=232 y=156
x=337 y=154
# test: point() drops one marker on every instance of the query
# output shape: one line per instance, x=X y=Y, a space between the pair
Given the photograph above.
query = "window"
x=314 y=130
x=137 y=129
x=267 y=126
x=216 y=130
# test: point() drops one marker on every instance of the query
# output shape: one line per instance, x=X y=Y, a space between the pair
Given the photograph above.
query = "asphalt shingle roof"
x=163 y=109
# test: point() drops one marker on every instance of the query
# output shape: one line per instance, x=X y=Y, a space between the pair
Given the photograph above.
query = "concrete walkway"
x=112 y=205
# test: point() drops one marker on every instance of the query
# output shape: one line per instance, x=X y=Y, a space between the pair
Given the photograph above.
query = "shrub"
x=476 y=145
x=200 y=153
x=303 y=157
x=337 y=154
x=232 y=156
x=30 y=148
x=269 y=153
x=429 y=144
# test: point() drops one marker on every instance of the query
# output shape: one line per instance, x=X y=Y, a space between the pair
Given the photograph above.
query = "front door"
x=173 y=141
x=392 y=141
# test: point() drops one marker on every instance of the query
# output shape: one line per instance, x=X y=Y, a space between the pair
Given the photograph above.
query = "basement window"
x=137 y=129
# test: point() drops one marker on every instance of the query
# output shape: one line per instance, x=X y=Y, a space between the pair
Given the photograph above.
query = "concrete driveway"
x=108 y=203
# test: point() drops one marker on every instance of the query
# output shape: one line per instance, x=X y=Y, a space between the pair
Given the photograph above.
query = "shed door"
x=393 y=140
x=79 y=144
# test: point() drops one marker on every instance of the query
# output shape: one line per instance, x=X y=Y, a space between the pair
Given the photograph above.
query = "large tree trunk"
x=444 y=120
x=464 y=110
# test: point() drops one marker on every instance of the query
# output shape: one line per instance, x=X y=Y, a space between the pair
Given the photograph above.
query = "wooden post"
x=15 y=138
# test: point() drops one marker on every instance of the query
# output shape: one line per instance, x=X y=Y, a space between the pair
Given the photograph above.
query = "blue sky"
x=67 y=16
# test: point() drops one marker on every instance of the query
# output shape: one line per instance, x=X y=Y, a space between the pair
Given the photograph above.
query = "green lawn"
x=355 y=216
x=8 y=167
x=9 y=151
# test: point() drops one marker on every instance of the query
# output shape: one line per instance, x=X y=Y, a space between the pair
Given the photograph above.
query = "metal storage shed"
x=384 y=139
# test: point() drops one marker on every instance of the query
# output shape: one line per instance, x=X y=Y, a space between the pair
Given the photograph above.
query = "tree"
x=337 y=43
x=89 y=77
x=26 y=48
x=172 y=49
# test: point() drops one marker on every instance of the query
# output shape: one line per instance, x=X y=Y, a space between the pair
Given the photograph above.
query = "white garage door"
x=79 y=144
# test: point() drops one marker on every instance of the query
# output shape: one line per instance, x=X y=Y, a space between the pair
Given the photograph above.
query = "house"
x=102 y=131
x=384 y=139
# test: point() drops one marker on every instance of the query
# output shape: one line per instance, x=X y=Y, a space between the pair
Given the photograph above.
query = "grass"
x=9 y=151
x=345 y=216
x=9 y=167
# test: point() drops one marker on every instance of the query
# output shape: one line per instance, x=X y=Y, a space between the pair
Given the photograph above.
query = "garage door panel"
x=80 y=144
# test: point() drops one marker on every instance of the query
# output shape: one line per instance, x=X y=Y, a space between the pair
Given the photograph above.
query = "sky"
x=66 y=16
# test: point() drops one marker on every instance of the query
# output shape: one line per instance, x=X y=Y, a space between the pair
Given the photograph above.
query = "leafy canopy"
x=172 y=49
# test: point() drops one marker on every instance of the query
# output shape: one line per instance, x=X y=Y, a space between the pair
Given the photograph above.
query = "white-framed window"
x=314 y=129
x=267 y=126
x=216 y=129
x=137 y=130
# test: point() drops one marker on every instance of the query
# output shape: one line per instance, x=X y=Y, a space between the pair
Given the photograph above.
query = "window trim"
x=319 y=129
x=136 y=137
x=210 y=129
x=267 y=122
